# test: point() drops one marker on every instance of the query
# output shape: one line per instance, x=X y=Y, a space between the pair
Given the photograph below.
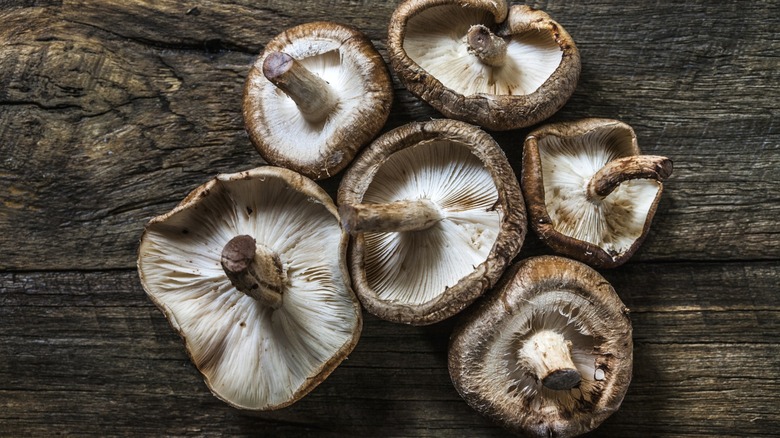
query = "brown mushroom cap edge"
x=612 y=134
x=490 y=381
x=511 y=234
x=196 y=203
x=331 y=143
x=492 y=111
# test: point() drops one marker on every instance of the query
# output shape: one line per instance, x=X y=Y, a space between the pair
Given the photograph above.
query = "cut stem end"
x=547 y=355
x=562 y=379
x=485 y=45
x=254 y=270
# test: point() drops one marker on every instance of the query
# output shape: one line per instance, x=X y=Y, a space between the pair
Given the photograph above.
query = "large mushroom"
x=482 y=61
x=435 y=214
x=548 y=352
x=249 y=269
x=591 y=195
x=317 y=94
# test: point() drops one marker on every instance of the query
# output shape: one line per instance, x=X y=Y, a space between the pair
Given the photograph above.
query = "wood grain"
x=86 y=352
x=112 y=111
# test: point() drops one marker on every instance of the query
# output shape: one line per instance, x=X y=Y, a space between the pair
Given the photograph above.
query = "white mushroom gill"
x=417 y=266
x=342 y=73
x=563 y=313
x=436 y=40
x=615 y=222
x=250 y=355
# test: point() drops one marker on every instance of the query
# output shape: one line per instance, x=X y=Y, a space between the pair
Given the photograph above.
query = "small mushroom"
x=250 y=270
x=590 y=193
x=315 y=96
x=435 y=214
x=548 y=352
x=482 y=61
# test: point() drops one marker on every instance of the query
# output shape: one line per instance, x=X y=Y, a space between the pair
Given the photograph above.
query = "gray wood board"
x=86 y=353
x=112 y=111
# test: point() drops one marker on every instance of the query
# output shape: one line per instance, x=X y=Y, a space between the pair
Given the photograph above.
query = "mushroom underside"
x=436 y=40
x=252 y=356
x=549 y=353
x=614 y=222
x=559 y=312
x=415 y=267
x=344 y=75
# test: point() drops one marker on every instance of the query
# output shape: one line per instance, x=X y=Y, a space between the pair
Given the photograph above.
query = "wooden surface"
x=111 y=111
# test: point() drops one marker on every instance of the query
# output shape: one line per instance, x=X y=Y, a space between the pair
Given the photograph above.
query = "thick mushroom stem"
x=313 y=95
x=487 y=46
x=407 y=215
x=547 y=354
x=254 y=270
x=609 y=177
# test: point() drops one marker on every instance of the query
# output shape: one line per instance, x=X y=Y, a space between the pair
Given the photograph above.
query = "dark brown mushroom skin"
x=511 y=235
x=532 y=182
x=520 y=282
x=347 y=140
x=609 y=177
x=495 y=112
x=254 y=269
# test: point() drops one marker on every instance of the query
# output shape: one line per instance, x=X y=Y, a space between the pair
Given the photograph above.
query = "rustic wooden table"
x=111 y=111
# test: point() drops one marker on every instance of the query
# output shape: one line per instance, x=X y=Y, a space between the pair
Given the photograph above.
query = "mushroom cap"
x=422 y=277
x=253 y=357
x=426 y=44
x=558 y=162
x=348 y=61
x=544 y=293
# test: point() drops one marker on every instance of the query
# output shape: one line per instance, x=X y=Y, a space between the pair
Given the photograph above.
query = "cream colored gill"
x=250 y=356
x=561 y=312
x=293 y=136
x=613 y=223
x=436 y=40
x=416 y=267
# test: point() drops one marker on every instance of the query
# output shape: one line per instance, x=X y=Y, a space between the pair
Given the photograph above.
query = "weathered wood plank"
x=86 y=352
x=110 y=112
x=223 y=25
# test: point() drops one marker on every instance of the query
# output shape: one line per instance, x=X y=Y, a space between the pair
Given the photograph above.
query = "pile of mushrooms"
x=256 y=269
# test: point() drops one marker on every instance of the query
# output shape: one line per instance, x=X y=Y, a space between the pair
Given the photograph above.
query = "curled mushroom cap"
x=590 y=193
x=249 y=269
x=482 y=61
x=436 y=214
x=549 y=351
x=317 y=94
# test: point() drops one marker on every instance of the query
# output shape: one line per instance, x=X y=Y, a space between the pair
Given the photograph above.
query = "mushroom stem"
x=547 y=354
x=313 y=95
x=623 y=169
x=254 y=270
x=407 y=215
x=487 y=46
